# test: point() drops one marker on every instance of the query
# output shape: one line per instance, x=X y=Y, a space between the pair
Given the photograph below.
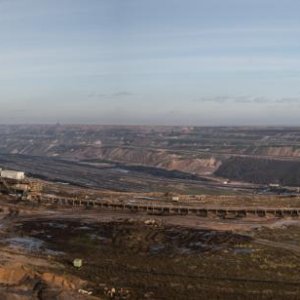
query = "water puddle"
x=58 y=225
x=27 y=243
x=156 y=249
x=30 y=244
x=242 y=251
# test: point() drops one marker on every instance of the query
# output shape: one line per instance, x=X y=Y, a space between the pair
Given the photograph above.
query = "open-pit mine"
x=111 y=212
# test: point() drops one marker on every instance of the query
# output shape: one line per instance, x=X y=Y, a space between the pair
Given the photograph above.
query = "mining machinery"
x=19 y=186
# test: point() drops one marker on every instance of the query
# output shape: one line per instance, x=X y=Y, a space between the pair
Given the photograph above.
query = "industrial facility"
x=15 y=183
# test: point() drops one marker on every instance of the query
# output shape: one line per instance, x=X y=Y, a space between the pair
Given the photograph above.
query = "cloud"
x=248 y=99
x=96 y=95
x=289 y=100
x=217 y=99
x=223 y=99
x=113 y=95
x=122 y=94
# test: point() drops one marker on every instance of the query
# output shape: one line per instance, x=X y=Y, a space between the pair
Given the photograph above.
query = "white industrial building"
x=10 y=174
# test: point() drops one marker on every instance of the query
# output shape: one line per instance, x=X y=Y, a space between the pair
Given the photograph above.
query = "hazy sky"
x=202 y=62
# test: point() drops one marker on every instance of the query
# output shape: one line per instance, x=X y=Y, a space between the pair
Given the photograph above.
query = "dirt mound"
x=61 y=281
x=14 y=275
x=276 y=151
x=159 y=159
x=261 y=171
x=22 y=283
x=197 y=165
